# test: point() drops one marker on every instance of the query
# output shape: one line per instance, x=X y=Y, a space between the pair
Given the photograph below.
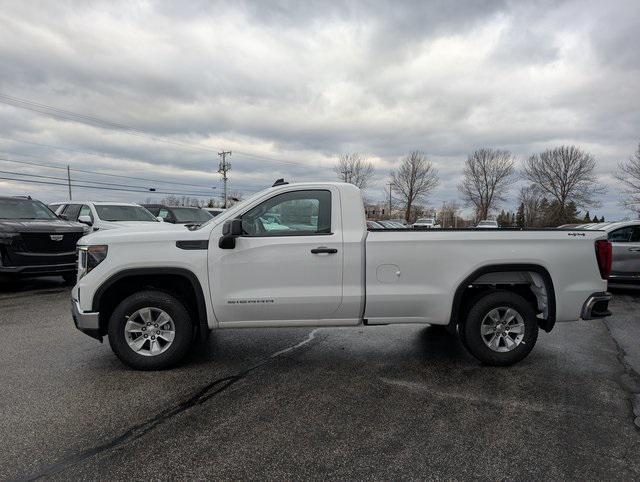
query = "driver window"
x=294 y=213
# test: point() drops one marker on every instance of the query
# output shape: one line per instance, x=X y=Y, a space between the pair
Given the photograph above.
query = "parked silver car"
x=625 y=239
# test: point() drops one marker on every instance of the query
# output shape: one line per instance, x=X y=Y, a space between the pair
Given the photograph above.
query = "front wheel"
x=501 y=328
x=150 y=330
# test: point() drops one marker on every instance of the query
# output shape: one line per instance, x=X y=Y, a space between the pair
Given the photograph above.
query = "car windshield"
x=425 y=220
x=114 y=212
x=236 y=207
x=191 y=215
x=24 y=209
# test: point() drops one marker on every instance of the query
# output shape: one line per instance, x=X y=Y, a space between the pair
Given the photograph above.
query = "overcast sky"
x=287 y=86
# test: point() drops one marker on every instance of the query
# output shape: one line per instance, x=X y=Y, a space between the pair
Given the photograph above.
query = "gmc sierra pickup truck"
x=301 y=255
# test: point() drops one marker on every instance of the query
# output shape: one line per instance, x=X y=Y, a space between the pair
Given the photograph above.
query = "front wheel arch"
x=178 y=282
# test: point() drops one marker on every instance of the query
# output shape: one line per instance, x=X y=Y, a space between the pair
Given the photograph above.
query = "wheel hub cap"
x=502 y=329
x=149 y=331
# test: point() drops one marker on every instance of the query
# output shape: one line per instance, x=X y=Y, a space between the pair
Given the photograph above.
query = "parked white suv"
x=301 y=255
x=105 y=215
x=426 y=223
x=488 y=224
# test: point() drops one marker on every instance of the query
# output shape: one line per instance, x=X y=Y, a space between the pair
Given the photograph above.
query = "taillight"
x=604 y=255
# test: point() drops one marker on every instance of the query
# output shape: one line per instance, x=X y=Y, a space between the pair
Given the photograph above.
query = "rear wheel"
x=150 y=330
x=501 y=328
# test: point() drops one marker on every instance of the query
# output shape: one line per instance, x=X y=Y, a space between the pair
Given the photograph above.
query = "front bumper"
x=596 y=306
x=39 y=270
x=85 y=321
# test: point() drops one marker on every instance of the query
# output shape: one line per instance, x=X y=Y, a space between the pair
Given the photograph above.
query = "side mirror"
x=160 y=218
x=84 y=219
x=230 y=231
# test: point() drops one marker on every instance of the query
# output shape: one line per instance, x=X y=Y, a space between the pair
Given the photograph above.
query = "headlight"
x=89 y=257
x=7 y=238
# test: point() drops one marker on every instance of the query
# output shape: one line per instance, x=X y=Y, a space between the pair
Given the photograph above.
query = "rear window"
x=108 y=212
x=24 y=209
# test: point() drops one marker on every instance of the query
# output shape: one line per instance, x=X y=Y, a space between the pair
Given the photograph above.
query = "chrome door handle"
x=324 y=249
x=633 y=249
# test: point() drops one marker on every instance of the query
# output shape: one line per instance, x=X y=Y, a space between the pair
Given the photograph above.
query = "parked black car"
x=179 y=215
x=34 y=241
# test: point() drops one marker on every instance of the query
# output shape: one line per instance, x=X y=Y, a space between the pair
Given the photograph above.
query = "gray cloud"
x=304 y=81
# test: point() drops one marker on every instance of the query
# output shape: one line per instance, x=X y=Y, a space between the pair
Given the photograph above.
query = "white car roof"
x=100 y=203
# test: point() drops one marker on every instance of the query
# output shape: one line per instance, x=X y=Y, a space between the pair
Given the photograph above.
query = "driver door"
x=286 y=266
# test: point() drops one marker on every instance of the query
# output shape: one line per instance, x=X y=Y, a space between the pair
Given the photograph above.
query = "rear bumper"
x=596 y=306
x=85 y=321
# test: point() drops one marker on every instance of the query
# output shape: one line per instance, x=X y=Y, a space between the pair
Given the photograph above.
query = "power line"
x=82 y=186
x=13 y=173
x=49 y=166
x=64 y=114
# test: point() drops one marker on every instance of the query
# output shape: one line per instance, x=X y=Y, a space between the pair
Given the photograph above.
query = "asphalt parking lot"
x=372 y=402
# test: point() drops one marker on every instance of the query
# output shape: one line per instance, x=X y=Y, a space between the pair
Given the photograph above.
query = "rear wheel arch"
x=179 y=282
x=467 y=292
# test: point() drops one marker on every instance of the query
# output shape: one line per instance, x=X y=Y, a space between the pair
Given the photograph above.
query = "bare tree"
x=449 y=214
x=414 y=180
x=487 y=175
x=566 y=174
x=629 y=175
x=354 y=169
x=531 y=198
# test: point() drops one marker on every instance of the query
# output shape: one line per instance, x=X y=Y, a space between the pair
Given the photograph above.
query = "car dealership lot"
x=367 y=402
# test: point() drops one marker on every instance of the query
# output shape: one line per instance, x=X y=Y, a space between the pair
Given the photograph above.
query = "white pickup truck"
x=301 y=255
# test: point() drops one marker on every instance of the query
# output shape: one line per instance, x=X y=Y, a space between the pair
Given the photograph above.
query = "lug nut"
x=146 y=336
x=156 y=325
x=144 y=328
x=153 y=337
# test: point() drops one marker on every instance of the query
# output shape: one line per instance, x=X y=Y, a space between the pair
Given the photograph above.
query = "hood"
x=142 y=225
x=40 y=226
x=140 y=232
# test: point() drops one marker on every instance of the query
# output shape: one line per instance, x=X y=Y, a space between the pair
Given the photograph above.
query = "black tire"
x=176 y=351
x=70 y=278
x=470 y=331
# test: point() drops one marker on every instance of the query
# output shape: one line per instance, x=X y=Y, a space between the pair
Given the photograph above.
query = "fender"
x=182 y=272
x=546 y=325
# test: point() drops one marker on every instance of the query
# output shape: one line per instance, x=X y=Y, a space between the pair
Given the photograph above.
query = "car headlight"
x=89 y=257
x=7 y=238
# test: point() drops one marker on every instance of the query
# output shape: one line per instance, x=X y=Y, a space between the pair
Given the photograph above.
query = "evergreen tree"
x=587 y=219
x=602 y=219
x=520 y=216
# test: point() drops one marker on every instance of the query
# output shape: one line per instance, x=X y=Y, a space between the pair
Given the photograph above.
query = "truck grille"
x=45 y=242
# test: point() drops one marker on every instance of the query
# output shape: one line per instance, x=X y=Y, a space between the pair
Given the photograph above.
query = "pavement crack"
x=630 y=379
x=201 y=396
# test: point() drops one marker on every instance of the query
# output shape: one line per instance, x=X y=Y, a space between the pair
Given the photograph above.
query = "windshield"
x=24 y=209
x=230 y=212
x=191 y=215
x=425 y=220
x=109 y=212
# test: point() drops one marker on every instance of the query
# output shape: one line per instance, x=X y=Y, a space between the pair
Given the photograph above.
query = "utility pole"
x=223 y=169
x=69 y=180
x=390 y=184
